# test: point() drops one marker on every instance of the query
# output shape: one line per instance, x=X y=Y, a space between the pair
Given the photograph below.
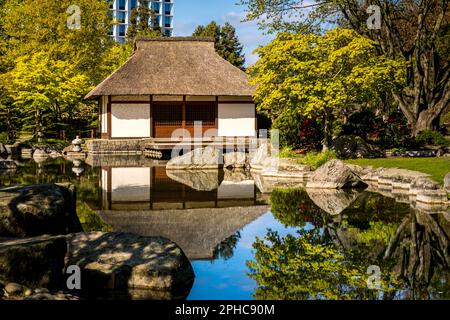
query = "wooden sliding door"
x=204 y=112
x=167 y=117
x=170 y=116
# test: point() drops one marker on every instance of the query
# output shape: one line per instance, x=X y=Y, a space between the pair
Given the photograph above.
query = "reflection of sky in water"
x=227 y=279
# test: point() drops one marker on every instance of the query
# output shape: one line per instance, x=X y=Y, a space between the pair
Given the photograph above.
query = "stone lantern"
x=77 y=144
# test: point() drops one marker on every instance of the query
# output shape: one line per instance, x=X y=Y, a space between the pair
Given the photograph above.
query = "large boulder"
x=201 y=158
x=141 y=267
x=34 y=262
x=27 y=211
x=235 y=160
x=354 y=147
x=261 y=154
x=333 y=202
x=335 y=175
x=201 y=180
x=40 y=154
x=447 y=183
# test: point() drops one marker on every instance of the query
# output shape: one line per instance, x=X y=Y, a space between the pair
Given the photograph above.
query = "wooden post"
x=109 y=129
x=92 y=133
x=184 y=113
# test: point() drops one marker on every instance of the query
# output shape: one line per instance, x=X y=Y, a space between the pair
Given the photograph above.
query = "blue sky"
x=190 y=13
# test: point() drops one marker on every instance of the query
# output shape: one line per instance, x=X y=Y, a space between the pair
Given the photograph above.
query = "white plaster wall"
x=104 y=114
x=236 y=190
x=237 y=120
x=130 y=120
x=130 y=184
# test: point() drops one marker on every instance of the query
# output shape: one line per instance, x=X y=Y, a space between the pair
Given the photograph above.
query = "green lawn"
x=436 y=167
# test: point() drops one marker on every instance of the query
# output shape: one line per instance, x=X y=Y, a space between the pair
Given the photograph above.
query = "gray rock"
x=333 y=202
x=354 y=147
x=14 y=289
x=447 y=183
x=68 y=149
x=235 y=160
x=201 y=158
x=281 y=167
x=7 y=165
x=36 y=210
x=201 y=180
x=257 y=160
x=40 y=154
x=128 y=262
x=237 y=175
x=34 y=262
x=334 y=175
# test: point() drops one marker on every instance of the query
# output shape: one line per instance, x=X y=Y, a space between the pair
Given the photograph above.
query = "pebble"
x=41 y=290
x=13 y=289
x=28 y=292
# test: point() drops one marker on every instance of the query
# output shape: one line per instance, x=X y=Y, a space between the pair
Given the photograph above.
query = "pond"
x=245 y=244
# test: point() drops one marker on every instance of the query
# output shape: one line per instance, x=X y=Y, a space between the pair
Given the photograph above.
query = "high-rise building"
x=121 y=11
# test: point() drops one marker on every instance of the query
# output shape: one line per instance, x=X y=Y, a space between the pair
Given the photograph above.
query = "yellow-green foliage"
x=314 y=73
x=317 y=159
x=307 y=266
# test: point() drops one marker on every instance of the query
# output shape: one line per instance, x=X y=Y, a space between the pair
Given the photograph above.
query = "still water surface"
x=302 y=246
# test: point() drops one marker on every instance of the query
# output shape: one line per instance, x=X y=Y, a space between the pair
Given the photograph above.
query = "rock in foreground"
x=36 y=210
x=335 y=175
x=34 y=262
x=141 y=267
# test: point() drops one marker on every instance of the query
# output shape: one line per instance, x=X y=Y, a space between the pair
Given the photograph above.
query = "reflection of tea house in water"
x=197 y=210
x=170 y=84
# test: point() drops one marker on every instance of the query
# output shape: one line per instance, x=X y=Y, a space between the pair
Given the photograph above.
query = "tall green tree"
x=227 y=43
x=142 y=22
x=321 y=75
x=46 y=90
x=55 y=54
x=417 y=31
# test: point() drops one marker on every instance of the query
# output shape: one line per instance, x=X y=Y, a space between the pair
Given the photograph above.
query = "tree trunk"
x=424 y=122
x=326 y=131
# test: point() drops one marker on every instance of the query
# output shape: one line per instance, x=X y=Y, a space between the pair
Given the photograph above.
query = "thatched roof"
x=196 y=231
x=175 y=66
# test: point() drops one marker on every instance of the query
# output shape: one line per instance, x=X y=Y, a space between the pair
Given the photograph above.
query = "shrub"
x=5 y=139
x=287 y=152
x=316 y=159
x=432 y=137
x=296 y=131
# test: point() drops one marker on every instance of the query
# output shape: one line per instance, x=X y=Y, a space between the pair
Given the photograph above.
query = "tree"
x=46 y=90
x=42 y=25
x=320 y=76
x=418 y=31
x=306 y=266
x=46 y=67
x=142 y=22
x=227 y=43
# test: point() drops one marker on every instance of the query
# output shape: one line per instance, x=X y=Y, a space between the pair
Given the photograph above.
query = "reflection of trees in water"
x=225 y=249
x=60 y=171
x=330 y=262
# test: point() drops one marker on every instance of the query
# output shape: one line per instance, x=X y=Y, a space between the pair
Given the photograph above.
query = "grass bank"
x=437 y=168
